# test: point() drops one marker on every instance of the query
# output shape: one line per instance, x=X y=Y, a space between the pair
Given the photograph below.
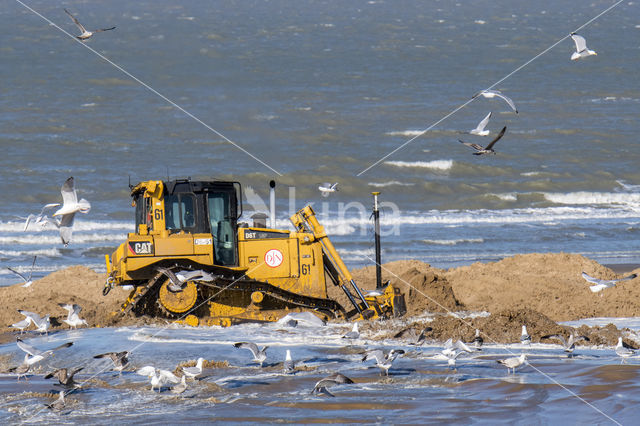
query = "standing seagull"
x=73 y=317
x=493 y=93
x=599 y=285
x=479 y=130
x=69 y=208
x=581 y=48
x=334 y=379
x=353 y=334
x=288 y=366
x=478 y=340
x=58 y=404
x=326 y=188
x=513 y=363
x=120 y=359
x=487 y=149
x=158 y=377
x=258 y=355
x=85 y=34
x=27 y=280
x=622 y=351
x=193 y=372
x=180 y=387
x=525 y=339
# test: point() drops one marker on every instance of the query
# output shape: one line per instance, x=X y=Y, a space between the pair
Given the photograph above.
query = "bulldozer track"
x=144 y=295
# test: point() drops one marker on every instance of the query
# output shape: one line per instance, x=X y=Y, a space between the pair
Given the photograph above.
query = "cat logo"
x=141 y=247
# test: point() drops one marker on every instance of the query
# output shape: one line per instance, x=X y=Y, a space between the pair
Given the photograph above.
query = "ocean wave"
x=39 y=252
x=454 y=242
x=510 y=196
x=78 y=225
x=390 y=183
x=584 y=197
x=436 y=164
x=408 y=133
x=54 y=238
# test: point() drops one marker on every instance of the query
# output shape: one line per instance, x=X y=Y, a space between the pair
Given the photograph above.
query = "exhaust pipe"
x=272 y=204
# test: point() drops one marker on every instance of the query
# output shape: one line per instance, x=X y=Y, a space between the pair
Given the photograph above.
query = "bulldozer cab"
x=196 y=208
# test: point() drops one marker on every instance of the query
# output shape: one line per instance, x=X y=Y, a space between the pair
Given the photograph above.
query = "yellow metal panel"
x=272 y=254
x=180 y=244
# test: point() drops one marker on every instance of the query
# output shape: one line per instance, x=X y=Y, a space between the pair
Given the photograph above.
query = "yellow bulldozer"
x=190 y=259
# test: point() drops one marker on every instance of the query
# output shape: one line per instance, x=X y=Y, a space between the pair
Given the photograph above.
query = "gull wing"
x=34 y=264
x=47 y=207
x=480 y=127
x=581 y=43
x=556 y=336
x=147 y=370
x=497 y=138
x=28 y=348
x=591 y=279
x=254 y=200
x=34 y=317
x=472 y=145
x=18 y=274
x=630 y=277
x=66 y=228
x=462 y=346
x=67 y=306
x=248 y=345
x=68 y=192
x=508 y=100
x=334 y=186
x=28 y=221
x=377 y=354
x=103 y=29
x=167 y=375
x=75 y=21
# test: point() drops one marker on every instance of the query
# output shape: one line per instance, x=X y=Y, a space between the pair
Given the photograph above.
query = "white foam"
x=436 y=164
x=390 y=183
x=454 y=242
x=510 y=196
x=40 y=252
x=408 y=133
x=54 y=238
x=600 y=198
x=78 y=225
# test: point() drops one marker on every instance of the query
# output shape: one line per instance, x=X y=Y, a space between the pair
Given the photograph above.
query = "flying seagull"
x=479 y=130
x=525 y=339
x=327 y=188
x=383 y=359
x=85 y=34
x=39 y=218
x=493 y=93
x=513 y=363
x=487 y=149
x=27 y=280
x=422 y=337
x=120 y=359
x=33 y=356
x=73 y=318
x=622 y=351
x=258 y=355
x=451 y=348
x=69 y=208
x=64 y=377
x=599 y=285
x=568 y=345
x=581 y=48
x=334 y=379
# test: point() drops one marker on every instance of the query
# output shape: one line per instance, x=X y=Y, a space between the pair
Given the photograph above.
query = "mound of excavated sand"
x=77 y=284
x=533 y=289
x=550 y=283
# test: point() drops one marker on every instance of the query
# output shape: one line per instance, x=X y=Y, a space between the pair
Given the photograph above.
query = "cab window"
x=180 y=212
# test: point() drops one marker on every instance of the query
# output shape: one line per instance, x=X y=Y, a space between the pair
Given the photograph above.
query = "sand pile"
x=549 y=283
x=533 y=289
x=77 y=284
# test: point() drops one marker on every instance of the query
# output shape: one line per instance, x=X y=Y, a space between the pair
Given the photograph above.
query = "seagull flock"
x=178 y=381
